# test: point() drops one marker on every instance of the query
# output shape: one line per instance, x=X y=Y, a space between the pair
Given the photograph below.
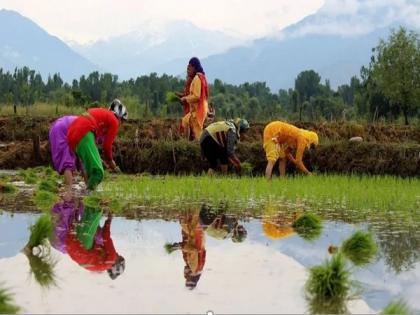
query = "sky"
x=84 y=21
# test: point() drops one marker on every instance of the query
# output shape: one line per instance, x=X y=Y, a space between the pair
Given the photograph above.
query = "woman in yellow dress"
x=193 y=122
x=279 y=139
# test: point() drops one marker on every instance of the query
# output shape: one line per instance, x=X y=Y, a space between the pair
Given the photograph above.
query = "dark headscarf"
x=195 y=62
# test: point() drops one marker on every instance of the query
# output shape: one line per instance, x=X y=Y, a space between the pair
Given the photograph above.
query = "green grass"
x=328 y=286
x=41 y=109
x=7 y=305
x=360 y=248
x=335 y=192
x=399 y=307
x=308 y=226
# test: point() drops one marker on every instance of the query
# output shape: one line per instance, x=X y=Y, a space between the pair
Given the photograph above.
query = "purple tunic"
x=64 y=215
x=62 y=157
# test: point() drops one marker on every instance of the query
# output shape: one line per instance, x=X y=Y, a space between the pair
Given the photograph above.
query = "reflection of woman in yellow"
x=277 y=224
x=279 y=140
x=192 y=247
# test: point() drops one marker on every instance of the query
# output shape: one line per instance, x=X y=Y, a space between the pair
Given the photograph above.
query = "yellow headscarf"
x=311 y=137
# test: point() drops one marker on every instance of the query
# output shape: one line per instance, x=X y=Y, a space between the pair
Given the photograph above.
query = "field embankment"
x=155 y=146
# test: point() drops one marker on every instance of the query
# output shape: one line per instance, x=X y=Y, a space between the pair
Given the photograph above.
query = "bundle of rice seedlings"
x=171 y=247
x=328 y=286
x=48 y=185
x=7 y=305
x=171 y=98
x=360 y=248
x=7 y=188
x=246 y=168
x=29 y=176
x=398 y=307
x=308 y=226
x=92 y=201
x=42 y=269
x=41 y=232
x=45 y=200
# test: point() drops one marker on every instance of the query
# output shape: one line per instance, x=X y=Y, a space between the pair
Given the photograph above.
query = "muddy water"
x=234 y=265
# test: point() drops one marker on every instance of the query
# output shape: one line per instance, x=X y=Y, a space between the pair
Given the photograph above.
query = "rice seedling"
x=7 y=188
x=40 y=232
x=246 y=168
x=28 y=176
x=42 y=269
x=316 y=192
x=171 y=247
x=360 y=248
x=399 y=307
x=45 y=200
x=48 y=185
x=7 y=305
x=328 y=286
x=308 y=226
x=171 y=97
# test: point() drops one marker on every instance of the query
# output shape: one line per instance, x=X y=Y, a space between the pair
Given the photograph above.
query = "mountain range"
x=24 y=43
x=334 y=43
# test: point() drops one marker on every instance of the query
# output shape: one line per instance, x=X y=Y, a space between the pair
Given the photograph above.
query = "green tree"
x=396 y=68
x=307 y=85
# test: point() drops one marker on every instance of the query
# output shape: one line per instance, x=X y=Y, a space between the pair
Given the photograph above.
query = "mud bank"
x=182 y=157
x=156 y=147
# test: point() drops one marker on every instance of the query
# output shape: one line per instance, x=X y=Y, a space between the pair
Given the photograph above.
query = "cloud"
x=82 y=20
x=355 y=17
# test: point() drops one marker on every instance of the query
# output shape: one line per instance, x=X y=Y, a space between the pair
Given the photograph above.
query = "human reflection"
x=192 y=247
x=277 y=223
x=221 y=225
x=78 y=233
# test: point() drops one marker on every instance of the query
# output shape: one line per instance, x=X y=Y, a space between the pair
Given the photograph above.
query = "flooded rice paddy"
x=199 y=259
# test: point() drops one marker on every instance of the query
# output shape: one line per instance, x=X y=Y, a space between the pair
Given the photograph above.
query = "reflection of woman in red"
x=92 y=247
x=192 y=247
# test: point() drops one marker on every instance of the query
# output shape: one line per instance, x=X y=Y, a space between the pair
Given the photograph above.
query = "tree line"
x=388 y=87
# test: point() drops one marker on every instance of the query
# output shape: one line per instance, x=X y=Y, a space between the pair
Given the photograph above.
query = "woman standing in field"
x=197 y=98
x=279 y=139
x=97 y=123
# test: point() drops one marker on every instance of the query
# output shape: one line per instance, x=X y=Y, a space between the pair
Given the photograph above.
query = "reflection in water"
x=78 y=233
x=400 y=245
x=221 y=225
x=275 y=268
x=192 y=247
x=277 y=222
x=38 y=252
x=216 y=223
x=7 y=304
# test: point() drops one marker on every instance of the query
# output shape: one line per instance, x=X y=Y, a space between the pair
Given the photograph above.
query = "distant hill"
x=278 y=62
x=336 y=42
x=156 y=48
x=24 y=43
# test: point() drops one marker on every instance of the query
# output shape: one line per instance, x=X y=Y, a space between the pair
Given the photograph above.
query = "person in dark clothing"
x=218 y=143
